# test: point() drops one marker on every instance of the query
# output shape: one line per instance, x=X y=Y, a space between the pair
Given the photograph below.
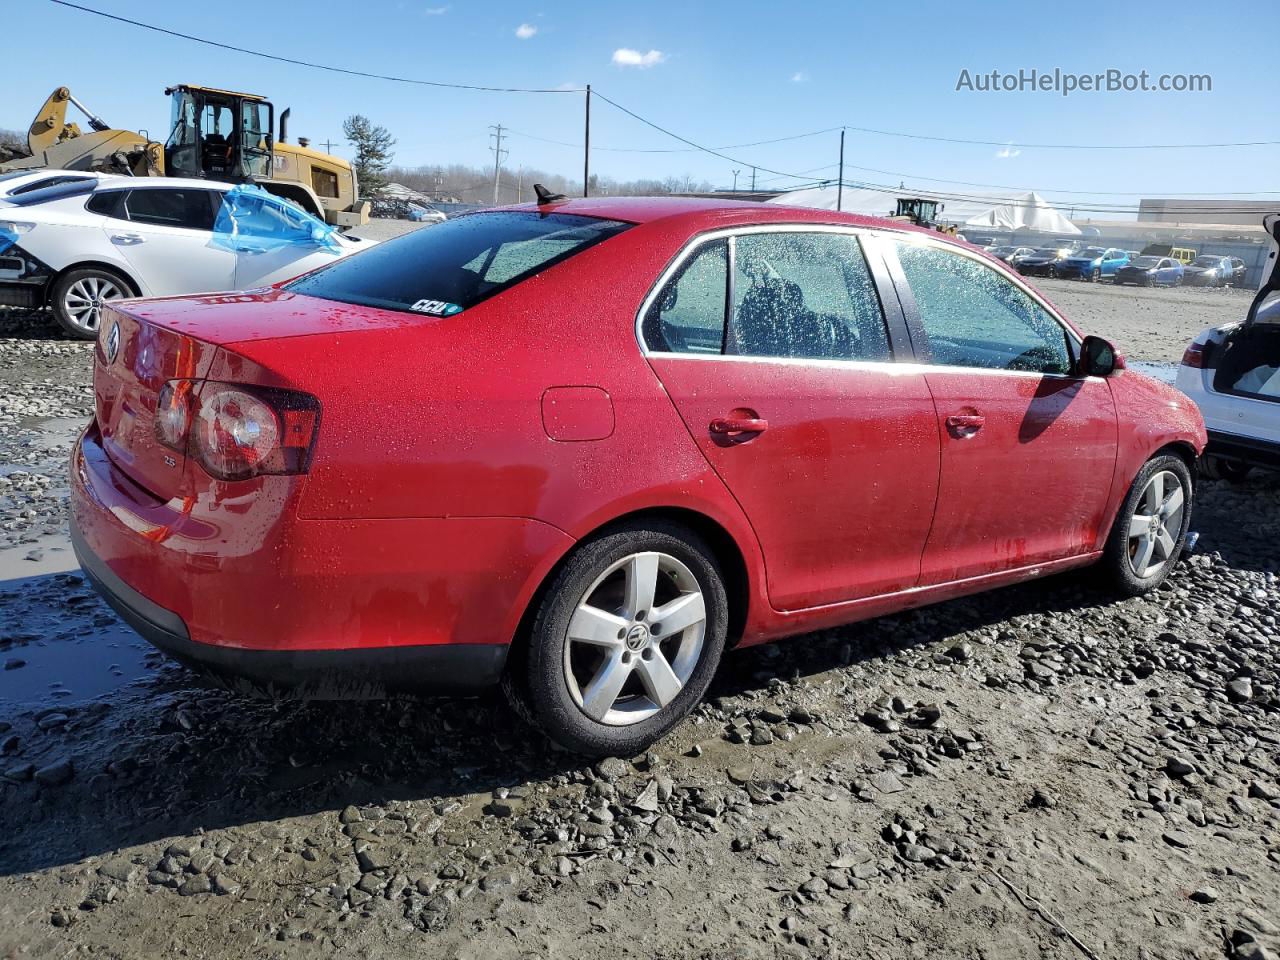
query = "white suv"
x=1232 y=372
x=76 y=244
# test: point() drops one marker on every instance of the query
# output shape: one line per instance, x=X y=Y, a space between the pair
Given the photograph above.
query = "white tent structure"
x=880 y=202
x=994 y=211
x=1030 y=212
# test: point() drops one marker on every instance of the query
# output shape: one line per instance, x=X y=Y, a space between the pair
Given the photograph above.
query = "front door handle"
x=727 y=426
x=965 y=425
x=128 y=238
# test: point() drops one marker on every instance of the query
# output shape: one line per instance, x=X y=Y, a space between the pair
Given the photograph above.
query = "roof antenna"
x=546 y=196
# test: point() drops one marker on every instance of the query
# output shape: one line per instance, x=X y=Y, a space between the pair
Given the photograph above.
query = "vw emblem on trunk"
x=113 y=342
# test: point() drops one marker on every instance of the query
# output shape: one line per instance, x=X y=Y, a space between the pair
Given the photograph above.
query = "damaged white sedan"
x=76 y=245
x=1232 y=372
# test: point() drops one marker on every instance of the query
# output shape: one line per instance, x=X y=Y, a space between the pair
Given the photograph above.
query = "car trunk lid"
x=133 y=360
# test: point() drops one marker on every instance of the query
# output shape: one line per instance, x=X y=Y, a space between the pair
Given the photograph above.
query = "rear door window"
x=191 y=209
x=807 y=295
x=688 y=315
x=108 y=203
x=450 y=266
x=974 y=317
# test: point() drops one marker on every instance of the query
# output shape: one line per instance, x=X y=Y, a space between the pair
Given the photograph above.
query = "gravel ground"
x=1041 y=771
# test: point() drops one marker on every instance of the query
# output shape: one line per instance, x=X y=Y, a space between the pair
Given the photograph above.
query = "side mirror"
x=1098 y=358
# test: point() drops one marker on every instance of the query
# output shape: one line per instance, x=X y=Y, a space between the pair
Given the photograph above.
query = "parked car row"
x=1155 y=265
x=73 y=242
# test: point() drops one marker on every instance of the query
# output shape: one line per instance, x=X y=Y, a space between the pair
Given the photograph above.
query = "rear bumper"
x=1230 y=446
x=323 y=674
x=262 y=600
x=24 y=280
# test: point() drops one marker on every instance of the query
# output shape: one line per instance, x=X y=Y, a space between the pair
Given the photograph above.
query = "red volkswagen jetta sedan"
x=582 y=447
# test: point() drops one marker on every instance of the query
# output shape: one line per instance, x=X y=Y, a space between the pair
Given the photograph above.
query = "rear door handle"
x=128 y=238
x=965 y=425
x=725 y=426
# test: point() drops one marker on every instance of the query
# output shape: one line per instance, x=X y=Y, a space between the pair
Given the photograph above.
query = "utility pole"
x=520 y=185
x=840 y=187
x=586 y=148
x=753 y=179
x=328 y=146
x=499 y=155
x=735 y=180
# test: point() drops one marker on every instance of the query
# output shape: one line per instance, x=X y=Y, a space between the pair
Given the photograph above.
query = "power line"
x=1089 y=193
x=1065 y=146
x=696 y=146
x=1098 y=207
x=489 y=89
x=731 y=146
x=307 y=63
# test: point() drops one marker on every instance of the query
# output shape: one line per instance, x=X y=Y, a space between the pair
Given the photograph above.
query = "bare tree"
x=474 y=184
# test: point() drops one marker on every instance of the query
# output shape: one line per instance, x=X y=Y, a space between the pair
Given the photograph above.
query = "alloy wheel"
x=85 y=298
x=635 y=638
x=1156 y=524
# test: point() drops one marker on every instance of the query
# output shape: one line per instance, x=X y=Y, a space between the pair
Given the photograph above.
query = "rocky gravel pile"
x=1043 y=771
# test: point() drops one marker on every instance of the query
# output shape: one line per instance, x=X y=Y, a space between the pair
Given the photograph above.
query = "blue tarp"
x=7 y=238
x=253 y=219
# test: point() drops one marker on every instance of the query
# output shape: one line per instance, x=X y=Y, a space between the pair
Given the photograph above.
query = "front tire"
x=1150 y=529
x=78 y=296
x=1095 y=276
x=625 y=642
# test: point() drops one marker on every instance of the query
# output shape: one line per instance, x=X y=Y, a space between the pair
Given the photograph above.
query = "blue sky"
x=717 y=72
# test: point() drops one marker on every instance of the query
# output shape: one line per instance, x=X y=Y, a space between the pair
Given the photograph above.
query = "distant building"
x=1244 y=212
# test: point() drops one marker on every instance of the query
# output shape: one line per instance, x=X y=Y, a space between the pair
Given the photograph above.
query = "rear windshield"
x=56 y=192
x=448 y=267
x=1146 y=261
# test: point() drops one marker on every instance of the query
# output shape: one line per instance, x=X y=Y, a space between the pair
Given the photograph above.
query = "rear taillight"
x=236 y=431
x=1194 y=356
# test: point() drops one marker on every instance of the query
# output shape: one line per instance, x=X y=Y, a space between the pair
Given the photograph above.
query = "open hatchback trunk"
x=1248 y=363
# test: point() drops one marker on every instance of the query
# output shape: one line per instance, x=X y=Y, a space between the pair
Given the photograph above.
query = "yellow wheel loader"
x=921 y=212
x=213 y=134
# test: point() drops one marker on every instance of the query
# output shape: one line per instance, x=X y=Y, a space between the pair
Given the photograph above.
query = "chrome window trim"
x=906 y=367
x=730 y=233
x=691 y=248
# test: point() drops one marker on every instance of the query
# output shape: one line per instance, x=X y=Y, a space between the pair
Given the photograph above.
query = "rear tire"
x=1150 y=528
x=77 y=298
x=603 y=679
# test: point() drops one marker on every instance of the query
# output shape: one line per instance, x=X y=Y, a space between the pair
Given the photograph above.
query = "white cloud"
x=526 y=30
x=626 y=57
x=1007 y=152
x=799 y=77
x=435 y=11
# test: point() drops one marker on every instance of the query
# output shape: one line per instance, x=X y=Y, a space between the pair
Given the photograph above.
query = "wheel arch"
x=134 y=286
x=728 y=554
x=1181 y=449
